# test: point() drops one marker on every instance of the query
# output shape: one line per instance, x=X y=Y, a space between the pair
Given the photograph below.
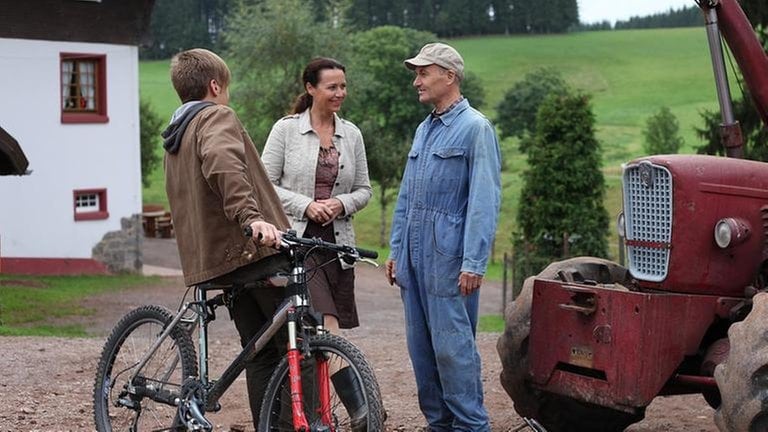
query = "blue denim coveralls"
x=444 y=223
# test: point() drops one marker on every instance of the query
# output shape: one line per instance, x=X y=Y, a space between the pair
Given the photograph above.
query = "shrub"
x=150 y=125
x=661 y=133
x=561 y=212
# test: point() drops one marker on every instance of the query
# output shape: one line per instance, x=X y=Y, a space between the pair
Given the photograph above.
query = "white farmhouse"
x=70 y=98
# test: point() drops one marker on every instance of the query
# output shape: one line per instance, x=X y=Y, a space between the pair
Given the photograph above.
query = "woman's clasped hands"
x=324 y=211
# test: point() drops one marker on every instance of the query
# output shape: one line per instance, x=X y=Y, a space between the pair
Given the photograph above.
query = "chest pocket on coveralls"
x=449 y=168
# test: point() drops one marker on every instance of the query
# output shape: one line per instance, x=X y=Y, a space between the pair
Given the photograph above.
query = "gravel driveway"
x=47 y=383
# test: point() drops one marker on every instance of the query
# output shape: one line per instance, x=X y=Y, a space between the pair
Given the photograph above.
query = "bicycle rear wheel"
x=355 y=402
x=147 y=403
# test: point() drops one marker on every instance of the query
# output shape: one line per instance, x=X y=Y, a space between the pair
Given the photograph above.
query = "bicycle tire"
x=341 y=353
x=173 y=362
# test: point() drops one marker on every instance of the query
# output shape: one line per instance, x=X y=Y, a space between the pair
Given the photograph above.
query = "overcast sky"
x=591 y=11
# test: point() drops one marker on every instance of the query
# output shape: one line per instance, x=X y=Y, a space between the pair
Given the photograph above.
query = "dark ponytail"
x=303 y=102
x=311 y=75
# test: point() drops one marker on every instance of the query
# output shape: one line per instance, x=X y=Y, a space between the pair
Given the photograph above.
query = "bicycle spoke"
x=125 y=399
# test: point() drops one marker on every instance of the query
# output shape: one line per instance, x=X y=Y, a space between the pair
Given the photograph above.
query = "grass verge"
x=490 y=324
x=29 y=305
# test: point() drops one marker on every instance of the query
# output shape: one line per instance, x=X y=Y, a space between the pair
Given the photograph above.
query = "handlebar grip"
x=365 y=253
x=248 y=232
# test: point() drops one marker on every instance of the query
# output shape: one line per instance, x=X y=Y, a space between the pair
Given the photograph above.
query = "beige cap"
x=440 y=54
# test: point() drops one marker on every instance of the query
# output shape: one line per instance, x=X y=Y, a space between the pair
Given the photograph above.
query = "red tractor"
x=589 y=343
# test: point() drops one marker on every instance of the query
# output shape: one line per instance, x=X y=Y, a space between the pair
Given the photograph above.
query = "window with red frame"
x=83 y=88
x=90 y=204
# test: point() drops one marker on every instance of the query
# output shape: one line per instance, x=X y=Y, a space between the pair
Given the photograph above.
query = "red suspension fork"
x=324 y=388
x=300 y=423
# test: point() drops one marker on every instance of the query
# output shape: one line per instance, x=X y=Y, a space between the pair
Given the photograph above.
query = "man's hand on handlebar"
x=266 y=234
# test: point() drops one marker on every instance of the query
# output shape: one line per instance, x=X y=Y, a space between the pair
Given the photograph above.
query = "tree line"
x=180 y=24
x=688 y=16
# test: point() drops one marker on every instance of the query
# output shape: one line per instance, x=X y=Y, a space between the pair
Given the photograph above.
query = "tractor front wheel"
x=555 y=412
x=743 y=378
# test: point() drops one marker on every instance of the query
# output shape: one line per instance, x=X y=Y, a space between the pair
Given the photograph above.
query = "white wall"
x=36 y=211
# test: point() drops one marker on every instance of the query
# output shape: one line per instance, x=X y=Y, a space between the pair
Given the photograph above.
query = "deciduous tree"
x=269 y=44
x=517 y=111
x=383 y=103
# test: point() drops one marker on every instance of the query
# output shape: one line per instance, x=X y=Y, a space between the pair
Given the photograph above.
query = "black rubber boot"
x=351 y=394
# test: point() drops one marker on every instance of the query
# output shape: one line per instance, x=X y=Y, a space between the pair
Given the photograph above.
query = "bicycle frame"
x=290 y=313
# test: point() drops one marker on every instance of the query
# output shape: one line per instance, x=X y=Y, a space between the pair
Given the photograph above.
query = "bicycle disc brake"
x=192 y=407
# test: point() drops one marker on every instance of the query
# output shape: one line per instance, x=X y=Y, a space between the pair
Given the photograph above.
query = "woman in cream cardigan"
x=317 y=163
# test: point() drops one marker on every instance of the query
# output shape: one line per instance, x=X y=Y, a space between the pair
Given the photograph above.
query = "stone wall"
x=120 y=251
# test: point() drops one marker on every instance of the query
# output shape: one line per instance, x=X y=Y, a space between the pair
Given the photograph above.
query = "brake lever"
x=369 y=261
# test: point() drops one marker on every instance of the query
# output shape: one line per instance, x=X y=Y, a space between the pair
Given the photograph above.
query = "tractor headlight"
x=730 y=232
x=723 y=234
x=621 y=225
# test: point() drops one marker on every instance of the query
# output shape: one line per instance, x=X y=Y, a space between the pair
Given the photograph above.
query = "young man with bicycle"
x=217 y=186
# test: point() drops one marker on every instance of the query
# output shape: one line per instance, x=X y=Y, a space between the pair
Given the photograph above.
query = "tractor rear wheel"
x=556 y=413
x=743 y=378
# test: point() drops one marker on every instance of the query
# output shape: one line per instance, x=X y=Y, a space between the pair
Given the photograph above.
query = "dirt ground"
x=46 y=383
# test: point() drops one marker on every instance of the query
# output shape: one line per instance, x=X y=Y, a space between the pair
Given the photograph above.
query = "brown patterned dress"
x=332 y=289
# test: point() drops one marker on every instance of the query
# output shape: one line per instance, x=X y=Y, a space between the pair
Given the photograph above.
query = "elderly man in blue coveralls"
x=442 y=231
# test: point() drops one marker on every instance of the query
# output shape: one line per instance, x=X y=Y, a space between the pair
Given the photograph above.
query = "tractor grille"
x=648 y=219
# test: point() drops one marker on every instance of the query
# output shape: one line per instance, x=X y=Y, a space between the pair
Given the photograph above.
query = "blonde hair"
x=192 y=70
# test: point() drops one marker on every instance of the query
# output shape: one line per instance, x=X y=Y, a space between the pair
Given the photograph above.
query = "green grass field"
x=32 y=306
x=630 y=74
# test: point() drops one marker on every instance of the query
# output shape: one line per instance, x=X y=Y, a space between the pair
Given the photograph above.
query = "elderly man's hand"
x=389 y=269
x=469 y=282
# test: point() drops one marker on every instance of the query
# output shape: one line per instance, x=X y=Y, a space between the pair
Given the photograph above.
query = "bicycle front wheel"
x=355 y=400
x=124 y=400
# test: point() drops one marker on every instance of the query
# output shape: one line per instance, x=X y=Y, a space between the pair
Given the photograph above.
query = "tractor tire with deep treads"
x=743 y=378
x=555 y=412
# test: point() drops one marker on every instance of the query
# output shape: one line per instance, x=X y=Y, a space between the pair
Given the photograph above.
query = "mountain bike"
x=152 y=377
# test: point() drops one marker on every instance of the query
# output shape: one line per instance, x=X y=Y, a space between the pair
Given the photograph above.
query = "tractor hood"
x=12 y=159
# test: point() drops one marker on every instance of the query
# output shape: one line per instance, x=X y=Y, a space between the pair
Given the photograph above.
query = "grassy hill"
x=630 y=75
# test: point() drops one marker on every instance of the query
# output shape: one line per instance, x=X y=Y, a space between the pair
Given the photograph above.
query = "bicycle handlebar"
x=365 y=253
x=291 y=240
